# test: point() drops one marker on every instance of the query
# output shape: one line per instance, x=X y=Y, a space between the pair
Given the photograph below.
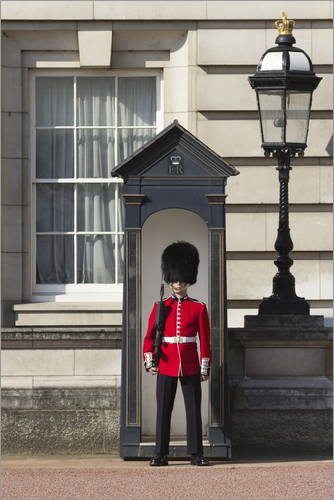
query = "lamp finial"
x=284 y=25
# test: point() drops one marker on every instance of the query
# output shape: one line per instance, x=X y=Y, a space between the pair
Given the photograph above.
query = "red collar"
x=185 y=297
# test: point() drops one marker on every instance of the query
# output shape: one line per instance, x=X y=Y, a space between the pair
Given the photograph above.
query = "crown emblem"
x=284 y=25
x=175 y=159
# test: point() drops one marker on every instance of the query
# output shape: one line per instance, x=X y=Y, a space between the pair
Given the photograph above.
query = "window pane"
x=54 y=207
x=272 y=117
x=120 y=259
x=96 y=207
x=54 y=101
x=95 y=152
x=136 y=101
x=297 y=116
x=54 y=154
x=96 y=259
x=129 y=140
x=96 y=101
x=55 y=259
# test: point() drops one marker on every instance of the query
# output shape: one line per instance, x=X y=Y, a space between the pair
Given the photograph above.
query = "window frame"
x=80 y=291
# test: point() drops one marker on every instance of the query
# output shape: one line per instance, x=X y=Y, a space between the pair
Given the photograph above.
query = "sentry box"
x=174 y=189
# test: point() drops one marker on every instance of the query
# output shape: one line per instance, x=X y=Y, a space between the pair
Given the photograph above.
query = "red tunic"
x=185 y=317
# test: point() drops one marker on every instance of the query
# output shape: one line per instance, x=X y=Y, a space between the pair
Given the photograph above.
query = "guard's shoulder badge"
x=198 y=301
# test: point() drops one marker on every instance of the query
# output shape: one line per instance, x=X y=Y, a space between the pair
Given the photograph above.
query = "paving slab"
x=108 y=477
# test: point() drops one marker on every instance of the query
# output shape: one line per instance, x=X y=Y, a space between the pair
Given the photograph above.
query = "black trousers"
x=192 y=395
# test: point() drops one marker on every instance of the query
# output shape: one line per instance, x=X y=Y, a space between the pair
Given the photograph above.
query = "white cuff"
x=205 y=366
x=148 y=360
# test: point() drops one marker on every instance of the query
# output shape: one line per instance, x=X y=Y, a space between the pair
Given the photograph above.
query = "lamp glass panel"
x=298 y=105
x=271 y=108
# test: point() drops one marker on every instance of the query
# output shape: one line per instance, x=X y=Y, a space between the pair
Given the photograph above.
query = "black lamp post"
x=284 y=82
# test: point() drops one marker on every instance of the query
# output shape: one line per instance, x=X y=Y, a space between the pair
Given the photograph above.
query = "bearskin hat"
x=179 y=263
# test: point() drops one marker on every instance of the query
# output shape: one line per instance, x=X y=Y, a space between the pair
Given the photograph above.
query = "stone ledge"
x=284 y=320
x=252 y=337
x=60 y=398
x=68 y=314
x=284 y=393
x=286 y=382
x=69 y=306
x=284 y=329
x=59 y=381
x=61 y=337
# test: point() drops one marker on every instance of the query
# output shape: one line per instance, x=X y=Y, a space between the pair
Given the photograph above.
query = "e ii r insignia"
x=175 y=165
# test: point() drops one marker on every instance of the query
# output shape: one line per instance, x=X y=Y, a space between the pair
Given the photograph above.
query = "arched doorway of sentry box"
x=158 y=231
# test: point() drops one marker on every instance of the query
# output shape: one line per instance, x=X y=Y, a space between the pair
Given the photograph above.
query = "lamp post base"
x=276 y=305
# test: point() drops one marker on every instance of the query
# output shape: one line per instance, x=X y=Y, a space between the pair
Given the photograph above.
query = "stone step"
x=68 y=314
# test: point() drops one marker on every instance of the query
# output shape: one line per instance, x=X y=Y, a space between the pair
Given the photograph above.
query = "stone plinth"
x=282 y=395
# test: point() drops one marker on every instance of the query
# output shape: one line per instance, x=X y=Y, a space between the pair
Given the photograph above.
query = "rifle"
x=159 y=326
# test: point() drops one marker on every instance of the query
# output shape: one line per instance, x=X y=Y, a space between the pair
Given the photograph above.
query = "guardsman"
x=186 y=319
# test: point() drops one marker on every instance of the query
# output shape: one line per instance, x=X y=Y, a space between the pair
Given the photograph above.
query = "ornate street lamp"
x=284 y=82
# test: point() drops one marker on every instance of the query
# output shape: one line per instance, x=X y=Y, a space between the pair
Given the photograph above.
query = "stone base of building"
x=86 y=421
x=282 y=433
x=60 y=421
x=280 y=379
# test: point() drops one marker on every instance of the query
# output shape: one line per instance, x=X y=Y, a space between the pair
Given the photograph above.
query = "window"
x=84 y=126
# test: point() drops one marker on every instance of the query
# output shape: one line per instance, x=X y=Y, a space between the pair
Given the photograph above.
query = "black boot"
x=198 y=460
x=159 y=460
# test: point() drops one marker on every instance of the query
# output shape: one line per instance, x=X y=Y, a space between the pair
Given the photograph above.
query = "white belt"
x=178 y=339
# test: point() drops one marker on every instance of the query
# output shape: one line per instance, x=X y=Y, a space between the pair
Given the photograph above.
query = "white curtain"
x=95 y=152
x=54 y=154
x=96 y=158
x=96 y=253
x=136 y=108
x=54 y=160
x=55 y=259
x=54 y=103
x=95 y=107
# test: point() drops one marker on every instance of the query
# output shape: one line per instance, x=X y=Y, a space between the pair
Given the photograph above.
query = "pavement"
x=103 y=477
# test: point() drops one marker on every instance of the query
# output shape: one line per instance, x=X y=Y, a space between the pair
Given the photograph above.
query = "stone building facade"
x=62 y=61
